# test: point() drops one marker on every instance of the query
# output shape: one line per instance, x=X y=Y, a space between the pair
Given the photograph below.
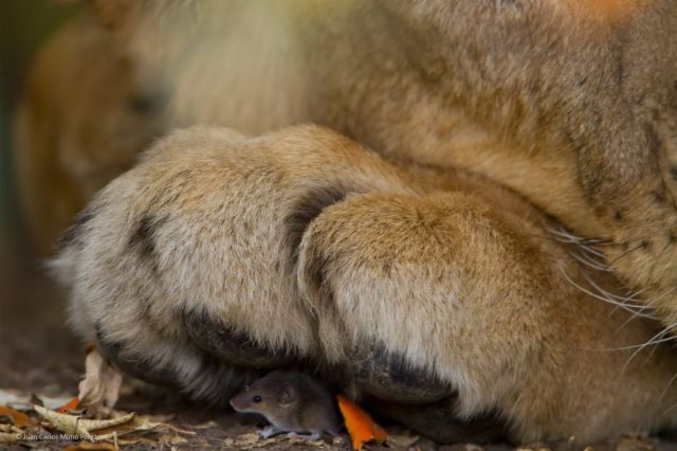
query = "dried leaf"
x=247 y=439
x=95 y=425
x=148 y=423
x=19 y=419
x=360 y=425
x=141 y=424
x=74 y=424
x=10 y=428
x=293 y=440
x=91 y=447
x=178 y=430
x=70 y=405
x=55 y=403
x=138 y=424
x=207 y=425
x=8 y=438
x=100 y=389
x=68 y=424
x=160 y=418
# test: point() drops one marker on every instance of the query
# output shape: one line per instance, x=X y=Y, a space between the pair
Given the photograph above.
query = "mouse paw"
x=269 y=432
x=312 y=437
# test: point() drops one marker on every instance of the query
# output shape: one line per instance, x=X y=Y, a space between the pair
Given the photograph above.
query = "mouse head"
x=265 y=397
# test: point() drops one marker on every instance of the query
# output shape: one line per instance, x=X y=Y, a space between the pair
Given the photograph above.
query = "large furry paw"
x=220 y=257
x=188 y=261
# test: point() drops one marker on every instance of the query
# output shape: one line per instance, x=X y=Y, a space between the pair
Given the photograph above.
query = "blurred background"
x=36 y=350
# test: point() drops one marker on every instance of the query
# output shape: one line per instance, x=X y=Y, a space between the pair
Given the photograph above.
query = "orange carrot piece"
x=360 y=425
x=70 y=405
x=19 y=419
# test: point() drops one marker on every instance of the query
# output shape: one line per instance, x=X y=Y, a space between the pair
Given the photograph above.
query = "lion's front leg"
x=219 y=257
x=183 y=269
x=423 y=296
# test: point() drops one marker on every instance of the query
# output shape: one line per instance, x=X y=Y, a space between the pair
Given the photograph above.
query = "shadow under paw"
x=231 y=347
x=437 y=421
x=390 y=376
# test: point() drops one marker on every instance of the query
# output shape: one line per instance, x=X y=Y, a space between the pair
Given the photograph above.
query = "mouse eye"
x=256 y=399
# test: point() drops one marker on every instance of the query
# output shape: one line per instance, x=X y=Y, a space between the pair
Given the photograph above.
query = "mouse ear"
x=288 y=394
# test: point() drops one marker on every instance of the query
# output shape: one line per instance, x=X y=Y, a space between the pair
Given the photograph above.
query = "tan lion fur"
x=494 y=123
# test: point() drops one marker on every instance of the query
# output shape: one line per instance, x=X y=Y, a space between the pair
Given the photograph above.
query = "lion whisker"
x=627 y=300
x=626 y=253
x=653 y=341
x=590 y=263
x=601 y=298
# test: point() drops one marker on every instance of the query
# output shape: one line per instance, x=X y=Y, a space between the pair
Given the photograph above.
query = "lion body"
x=491 y=125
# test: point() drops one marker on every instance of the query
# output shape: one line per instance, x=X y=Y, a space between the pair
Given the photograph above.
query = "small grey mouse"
x=291 y=402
